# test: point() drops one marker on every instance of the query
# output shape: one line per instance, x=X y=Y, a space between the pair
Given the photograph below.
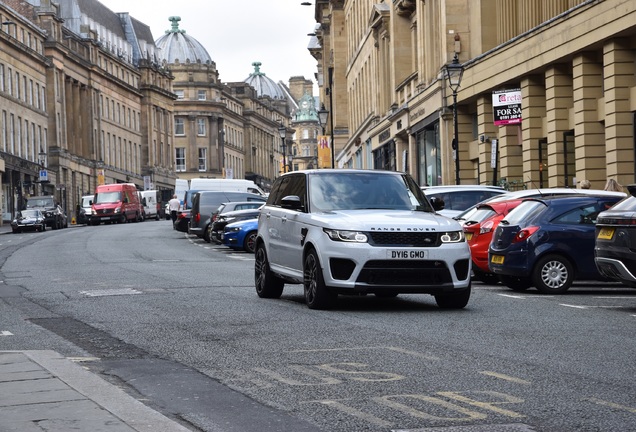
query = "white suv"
x=358 y=232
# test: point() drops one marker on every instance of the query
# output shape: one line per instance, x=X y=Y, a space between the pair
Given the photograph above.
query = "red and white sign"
x=506 y=105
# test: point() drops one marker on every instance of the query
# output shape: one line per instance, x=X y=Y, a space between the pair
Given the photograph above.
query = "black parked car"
x=54 y=216
x=183 y=221
x=216 y=228
x=28 y=220
x=616 y=241
x=548 y=242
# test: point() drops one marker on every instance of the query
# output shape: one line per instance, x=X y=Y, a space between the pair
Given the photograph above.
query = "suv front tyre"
x=317 y=295
x=267 y=284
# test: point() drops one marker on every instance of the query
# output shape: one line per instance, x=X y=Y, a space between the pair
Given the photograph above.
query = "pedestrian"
x=585 y=184
x=174 y=205
x=613 y=185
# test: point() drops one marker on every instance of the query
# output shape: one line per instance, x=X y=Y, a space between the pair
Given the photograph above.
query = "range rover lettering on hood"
x=401 y=229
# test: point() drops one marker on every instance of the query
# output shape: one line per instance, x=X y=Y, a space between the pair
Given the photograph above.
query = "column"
x=558 y=83
x=533 y=110
x=619 y=70
x=587 y=79
x=485 y=128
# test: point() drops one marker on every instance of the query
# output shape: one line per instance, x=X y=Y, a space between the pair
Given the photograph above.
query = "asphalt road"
x=176 y=322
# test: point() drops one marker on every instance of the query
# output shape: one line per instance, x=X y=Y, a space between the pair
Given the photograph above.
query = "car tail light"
x=524 y=234
x=486 y=227
x=197 y=217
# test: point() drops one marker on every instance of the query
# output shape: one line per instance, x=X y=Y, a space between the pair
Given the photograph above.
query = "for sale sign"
x=506 y=105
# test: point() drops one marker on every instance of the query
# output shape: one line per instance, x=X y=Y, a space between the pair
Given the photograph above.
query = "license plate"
x=497 y=259
x=606 y=233
x=407 y=254
x=468 y=236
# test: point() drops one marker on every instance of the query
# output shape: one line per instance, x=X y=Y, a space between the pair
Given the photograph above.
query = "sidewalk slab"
x=42 y=390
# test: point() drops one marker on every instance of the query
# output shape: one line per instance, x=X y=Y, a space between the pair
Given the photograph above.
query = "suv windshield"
x=356 y=191
x=107 y=197
x=40 y=202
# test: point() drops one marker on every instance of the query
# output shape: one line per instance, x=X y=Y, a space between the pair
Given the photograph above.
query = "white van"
x=181 y=186
x=226 y=185
x=149 y=201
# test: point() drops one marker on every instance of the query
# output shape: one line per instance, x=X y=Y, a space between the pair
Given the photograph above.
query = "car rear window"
x=478 y=214
x=628 y=204
x=525 y=211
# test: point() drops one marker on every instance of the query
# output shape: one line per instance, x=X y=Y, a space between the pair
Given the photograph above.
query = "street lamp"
x=282 y=131
x=323 y=115
x=454 y=72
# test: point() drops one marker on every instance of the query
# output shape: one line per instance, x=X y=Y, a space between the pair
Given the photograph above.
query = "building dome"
x=177 y=46
x=263 y=85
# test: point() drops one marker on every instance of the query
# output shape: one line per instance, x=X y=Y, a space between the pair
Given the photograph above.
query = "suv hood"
x=385 y=220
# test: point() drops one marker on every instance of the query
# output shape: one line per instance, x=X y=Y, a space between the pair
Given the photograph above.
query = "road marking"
x=390 y=348
x=573 y=306
x=512 y=296
x=83 y=359
x=611 y=404
x=5 y=333
x=354 y=412
x=166 y=260
x=110 y=292
x=505 y=377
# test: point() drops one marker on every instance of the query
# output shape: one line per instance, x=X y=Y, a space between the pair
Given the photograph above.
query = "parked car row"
x=549 y=238
x=54 y=216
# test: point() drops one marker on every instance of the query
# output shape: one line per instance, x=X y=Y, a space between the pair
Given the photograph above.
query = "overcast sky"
x=237 y=33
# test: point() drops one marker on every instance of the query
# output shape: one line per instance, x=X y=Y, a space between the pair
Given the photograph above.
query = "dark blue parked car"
x=548 y=242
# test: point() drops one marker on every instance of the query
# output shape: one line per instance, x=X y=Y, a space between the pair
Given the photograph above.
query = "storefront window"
x=429 y=163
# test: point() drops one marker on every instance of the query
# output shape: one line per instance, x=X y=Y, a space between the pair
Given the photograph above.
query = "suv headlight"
x=346 y=236
x=453 y=237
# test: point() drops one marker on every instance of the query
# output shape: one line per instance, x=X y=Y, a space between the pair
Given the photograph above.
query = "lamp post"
x=454 y=72
x=323 y=115
x=330 y=90
x=282 y=131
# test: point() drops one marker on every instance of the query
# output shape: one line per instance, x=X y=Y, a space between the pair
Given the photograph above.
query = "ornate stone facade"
x=571 y=61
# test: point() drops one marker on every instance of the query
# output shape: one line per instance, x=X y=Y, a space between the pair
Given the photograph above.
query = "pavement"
x=45 y=391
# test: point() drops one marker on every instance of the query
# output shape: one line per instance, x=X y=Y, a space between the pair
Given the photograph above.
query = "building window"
x=1 y=77
x=203 y=165
x=180 y=162
x=179 y=127
x=201 y=95
x=201 y=126
x=305 y=133
x=179 y=94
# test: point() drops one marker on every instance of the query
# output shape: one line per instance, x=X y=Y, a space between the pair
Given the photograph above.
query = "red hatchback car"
x=479 y=225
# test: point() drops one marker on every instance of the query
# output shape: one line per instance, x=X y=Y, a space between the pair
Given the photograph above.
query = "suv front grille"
x=393 y=238
x=405 y=272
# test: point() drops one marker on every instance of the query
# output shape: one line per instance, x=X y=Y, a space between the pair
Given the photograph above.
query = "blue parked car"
x=241 y=235
x=548 y=242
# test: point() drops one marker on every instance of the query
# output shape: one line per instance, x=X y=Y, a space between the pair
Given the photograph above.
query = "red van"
x=117 y=202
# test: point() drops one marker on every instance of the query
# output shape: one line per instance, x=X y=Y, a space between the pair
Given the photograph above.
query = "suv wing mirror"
x=292 y=202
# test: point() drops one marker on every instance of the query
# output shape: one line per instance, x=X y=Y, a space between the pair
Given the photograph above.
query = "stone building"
x=547 y=97
x=84 y=101
x=222 y=130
